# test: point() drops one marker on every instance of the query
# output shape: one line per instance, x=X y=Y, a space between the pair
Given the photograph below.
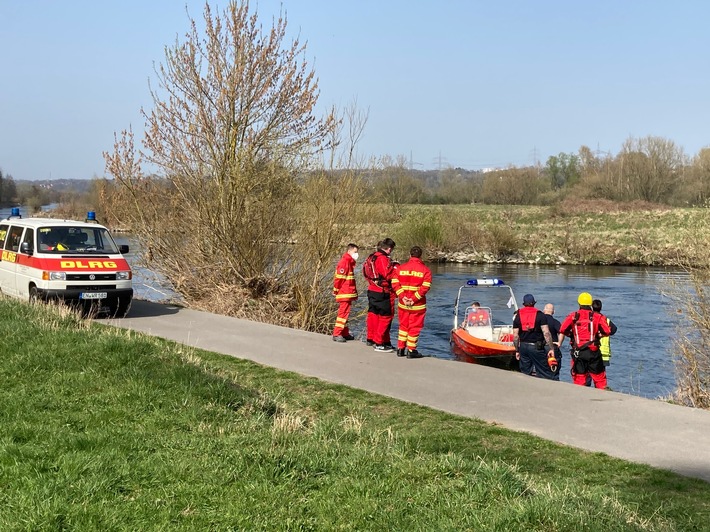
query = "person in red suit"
x=380 y=310
x=476 y=316
x=585 y=328
x=345 y=292
x=411 y=284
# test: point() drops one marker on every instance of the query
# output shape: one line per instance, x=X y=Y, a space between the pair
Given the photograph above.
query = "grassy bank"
x=102 y=428
x=600 y=232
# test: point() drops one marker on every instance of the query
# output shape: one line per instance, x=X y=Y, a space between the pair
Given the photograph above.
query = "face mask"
x=355 y=255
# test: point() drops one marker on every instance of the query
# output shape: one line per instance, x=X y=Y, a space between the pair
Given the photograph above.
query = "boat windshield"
x=76 y=240
x=487 y=306
x=476 y=315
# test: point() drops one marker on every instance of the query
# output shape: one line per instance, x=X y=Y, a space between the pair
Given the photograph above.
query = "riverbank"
x=142 y=433
x=592 y=233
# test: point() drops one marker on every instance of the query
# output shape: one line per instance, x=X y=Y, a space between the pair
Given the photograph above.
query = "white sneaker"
x=383 y=349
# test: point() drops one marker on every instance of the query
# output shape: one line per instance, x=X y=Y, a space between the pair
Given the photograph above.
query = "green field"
x=101 y=428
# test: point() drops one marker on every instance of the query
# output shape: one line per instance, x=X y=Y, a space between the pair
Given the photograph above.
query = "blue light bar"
x=15 y=211
x=485 y=282
x=91 y=216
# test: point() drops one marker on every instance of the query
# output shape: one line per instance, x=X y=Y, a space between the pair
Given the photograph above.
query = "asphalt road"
x=629 y=427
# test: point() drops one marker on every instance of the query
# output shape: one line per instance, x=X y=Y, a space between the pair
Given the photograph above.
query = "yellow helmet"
x=584 y=299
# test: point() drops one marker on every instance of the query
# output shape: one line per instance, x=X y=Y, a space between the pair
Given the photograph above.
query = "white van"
x=76 y=262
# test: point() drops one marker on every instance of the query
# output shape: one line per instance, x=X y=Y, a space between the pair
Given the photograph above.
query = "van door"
x=8 y=259
x=23 y=272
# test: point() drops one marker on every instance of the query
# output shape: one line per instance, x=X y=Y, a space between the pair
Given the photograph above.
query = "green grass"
x=104 y=429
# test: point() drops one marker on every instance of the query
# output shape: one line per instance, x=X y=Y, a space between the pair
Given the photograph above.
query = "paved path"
x=633 y=428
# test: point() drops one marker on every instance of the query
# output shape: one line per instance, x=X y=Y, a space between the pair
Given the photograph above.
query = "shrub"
x=502 y=240
x=692 y=353
x=465 y=234
x=421 y=228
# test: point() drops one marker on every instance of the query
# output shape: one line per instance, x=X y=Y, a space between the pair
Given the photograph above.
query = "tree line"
x=8 y=190
x=70 y=193
x=650 y=169
x=29 y=194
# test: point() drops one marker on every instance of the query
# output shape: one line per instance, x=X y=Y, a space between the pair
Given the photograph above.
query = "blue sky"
x=470 y=84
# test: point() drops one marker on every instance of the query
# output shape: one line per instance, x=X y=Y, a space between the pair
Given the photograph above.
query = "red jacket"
x=413 y=279
x=344 y=288
x=584 y=328
x=384 y=268
x=529 y=322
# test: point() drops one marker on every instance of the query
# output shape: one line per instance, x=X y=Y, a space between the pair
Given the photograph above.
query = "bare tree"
x=227 y=143
x=395 y=185
x=512 y=186
x=648 y=169
x=696 y=188
x=330 y=206
x=455 y=187
x=595 y=175
x=588 y=162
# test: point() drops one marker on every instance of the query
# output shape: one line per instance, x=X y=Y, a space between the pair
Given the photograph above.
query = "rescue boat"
x=478 y=336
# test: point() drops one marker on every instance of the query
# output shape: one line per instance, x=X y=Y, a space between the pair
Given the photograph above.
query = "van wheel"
x=34 y=295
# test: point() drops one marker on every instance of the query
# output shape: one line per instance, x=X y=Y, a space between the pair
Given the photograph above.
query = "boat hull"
x=466 y=346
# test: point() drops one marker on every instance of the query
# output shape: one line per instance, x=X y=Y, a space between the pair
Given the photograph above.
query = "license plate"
x=93 y=295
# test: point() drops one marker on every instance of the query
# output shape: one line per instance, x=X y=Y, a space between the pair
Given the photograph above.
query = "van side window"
x=14 y=238
x=29 y=237
x=3 y=234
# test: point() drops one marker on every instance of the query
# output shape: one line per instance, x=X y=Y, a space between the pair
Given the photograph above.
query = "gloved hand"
x=552 y=360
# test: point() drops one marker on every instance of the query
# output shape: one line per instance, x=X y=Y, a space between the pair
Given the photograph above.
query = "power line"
x=535 y=156
x=439 y=161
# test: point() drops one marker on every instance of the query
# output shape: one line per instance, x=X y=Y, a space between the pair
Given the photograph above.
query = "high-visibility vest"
x=605 y=347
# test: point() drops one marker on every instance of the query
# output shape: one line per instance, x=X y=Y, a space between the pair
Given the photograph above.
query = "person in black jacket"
x=533 y=343
x=557 y=338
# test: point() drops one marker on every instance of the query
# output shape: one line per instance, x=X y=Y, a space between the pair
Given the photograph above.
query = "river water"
x=632 y=297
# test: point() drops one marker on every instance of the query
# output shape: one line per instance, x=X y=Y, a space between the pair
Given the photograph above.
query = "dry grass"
x=573 y=206
x=583 y=232
x=273 y=306
x=692 y=344
x=288 y=423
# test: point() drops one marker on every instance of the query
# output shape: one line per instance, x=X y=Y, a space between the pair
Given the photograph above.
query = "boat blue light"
x=485 y=282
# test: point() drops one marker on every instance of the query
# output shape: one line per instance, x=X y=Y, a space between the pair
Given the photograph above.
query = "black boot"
x=413 y=353
x=401 y=352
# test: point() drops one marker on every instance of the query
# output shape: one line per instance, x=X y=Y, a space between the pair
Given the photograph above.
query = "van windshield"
x=63 y=239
